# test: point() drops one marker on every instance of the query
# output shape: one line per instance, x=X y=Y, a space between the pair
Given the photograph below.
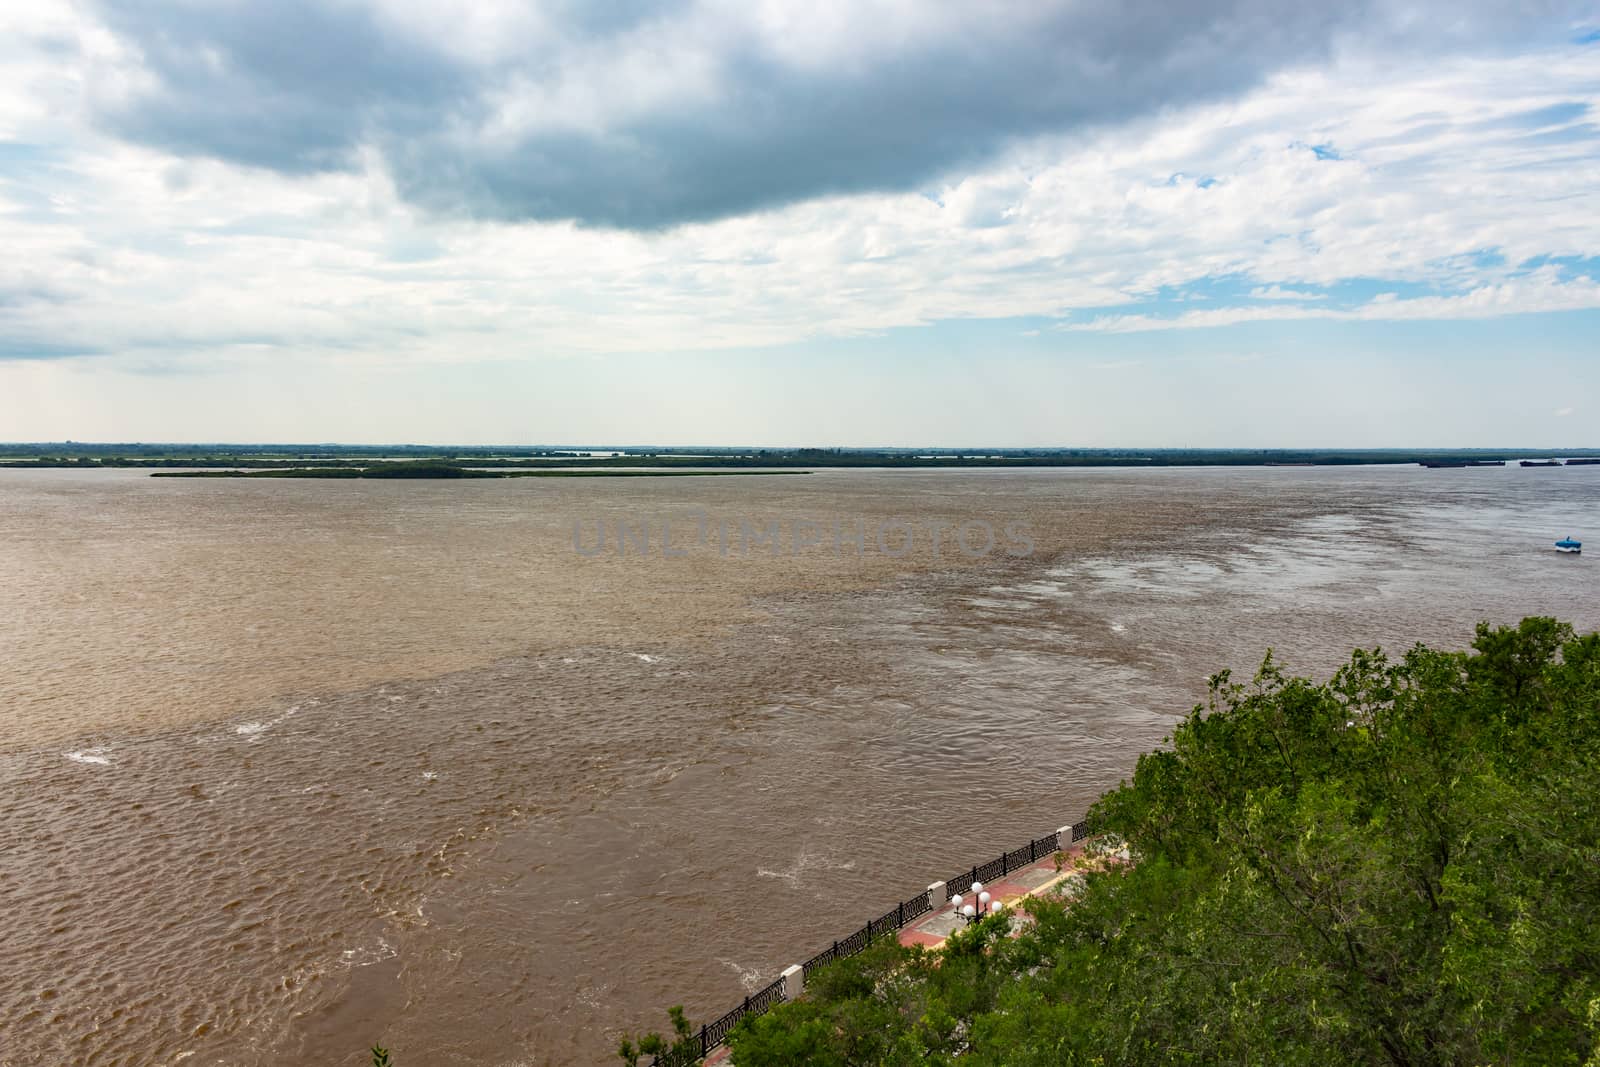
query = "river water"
x=293 y=767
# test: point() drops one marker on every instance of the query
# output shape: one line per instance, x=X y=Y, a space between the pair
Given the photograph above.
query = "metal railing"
x=713 y=1034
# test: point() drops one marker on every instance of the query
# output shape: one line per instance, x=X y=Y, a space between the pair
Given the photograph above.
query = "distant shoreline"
x=443 y=473
x=529 y=459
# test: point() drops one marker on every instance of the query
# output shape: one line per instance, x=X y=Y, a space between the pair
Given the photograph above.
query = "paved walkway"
x=932 y=929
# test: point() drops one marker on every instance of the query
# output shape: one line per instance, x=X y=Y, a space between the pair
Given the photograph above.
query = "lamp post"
x=976 y=906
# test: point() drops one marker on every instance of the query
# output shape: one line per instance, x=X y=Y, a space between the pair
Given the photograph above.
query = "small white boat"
x=1569 y=544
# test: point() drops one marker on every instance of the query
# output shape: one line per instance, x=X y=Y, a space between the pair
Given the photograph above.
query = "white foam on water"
x=594 y=996
x=1117 y=628
x=428 y=776
x=806 y=861
x=367 y=955
x=1039 y=589
x=90 y=755
x=643 y=658
x=256 y=727
x=749 y=977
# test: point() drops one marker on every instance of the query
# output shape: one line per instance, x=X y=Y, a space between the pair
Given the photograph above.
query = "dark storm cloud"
x=293 y=85
x=299 y=86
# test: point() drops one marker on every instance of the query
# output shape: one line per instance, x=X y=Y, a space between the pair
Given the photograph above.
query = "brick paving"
x=932 y=929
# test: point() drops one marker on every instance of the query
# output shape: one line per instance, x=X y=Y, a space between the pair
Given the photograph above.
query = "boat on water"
x=1439 y=463
x=1569 y=544
x=1582 y=462
x=1541 y=463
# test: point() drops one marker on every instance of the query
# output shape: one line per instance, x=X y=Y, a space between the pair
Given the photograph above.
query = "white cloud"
x=137 y=253
x=1278 y=292
x=1539 y=291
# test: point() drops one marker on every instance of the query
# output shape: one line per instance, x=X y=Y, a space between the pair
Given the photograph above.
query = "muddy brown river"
x=293 y=767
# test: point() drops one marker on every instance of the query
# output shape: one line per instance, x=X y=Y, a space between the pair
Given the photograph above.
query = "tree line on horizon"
x=348 y=456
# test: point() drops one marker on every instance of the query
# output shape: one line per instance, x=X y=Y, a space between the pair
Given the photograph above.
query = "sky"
x=1159 y=223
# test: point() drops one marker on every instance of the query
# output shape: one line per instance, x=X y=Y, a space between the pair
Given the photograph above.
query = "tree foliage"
x=681 y=1048
x=1398 y=866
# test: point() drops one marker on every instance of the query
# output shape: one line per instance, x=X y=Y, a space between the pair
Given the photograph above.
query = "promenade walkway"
x=932 y=929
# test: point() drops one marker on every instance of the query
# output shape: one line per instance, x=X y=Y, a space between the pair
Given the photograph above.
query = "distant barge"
x=1541 y=463
x=1583 y=462
x=1462 y=463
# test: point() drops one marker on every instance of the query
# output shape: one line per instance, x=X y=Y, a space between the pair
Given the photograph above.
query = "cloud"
x=147 y=252
x=1278 y=292
x=657 y=113
x=1542 y=291
x=24 y=349
x=294 y=86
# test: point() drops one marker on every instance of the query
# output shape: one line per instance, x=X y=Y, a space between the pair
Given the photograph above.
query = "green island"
x=1398 y=866
x=423 y=470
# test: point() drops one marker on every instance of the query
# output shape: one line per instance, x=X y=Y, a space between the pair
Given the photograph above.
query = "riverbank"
x=1390 y=867
x=1044 y=868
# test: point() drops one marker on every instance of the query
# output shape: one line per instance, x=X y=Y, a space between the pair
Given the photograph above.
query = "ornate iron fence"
x=715 y=1033
x=1006 y=862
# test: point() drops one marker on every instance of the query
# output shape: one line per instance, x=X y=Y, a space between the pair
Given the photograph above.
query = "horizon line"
x=69 y=443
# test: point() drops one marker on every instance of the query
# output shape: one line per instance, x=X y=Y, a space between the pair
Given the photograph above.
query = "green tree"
x=1398 y=866
x=682 y=1048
